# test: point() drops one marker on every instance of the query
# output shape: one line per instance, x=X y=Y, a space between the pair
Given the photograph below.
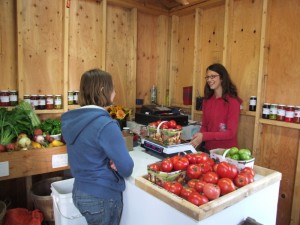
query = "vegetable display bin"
x=41 y=196
x=65 y=212
x=218 y=155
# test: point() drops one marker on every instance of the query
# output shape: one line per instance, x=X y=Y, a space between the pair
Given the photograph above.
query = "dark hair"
x=228 y=87
x=96 y=87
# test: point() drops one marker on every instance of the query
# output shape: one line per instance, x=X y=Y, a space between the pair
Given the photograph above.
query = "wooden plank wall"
x=8 y=47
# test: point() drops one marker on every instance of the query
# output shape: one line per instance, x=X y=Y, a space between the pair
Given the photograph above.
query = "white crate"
x=218 y=154
x=65 y=212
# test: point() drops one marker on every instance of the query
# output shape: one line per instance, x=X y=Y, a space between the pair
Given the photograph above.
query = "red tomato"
x=173 y=187
x=211 y=191
x=181 y=163
x=191 y=157
x=166 y=165
x=250 y=177
x=172 y=124
x=241 y=180
x=178 y=127
x=211 y=177
x=164 y=126
x=211 y=162
x=225 y=169
x=226 y=185
x=186 y=191
x=155 y=167
x=199 y=186
x=193 y=171
x=248 y=170
x=201 y=157
x=205 y=167
x=191 y=183
x=197 y=199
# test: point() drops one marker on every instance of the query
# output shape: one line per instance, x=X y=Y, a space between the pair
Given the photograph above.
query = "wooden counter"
x=25 y=163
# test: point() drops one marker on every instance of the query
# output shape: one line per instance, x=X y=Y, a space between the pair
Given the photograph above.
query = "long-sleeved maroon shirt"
x=220 y=122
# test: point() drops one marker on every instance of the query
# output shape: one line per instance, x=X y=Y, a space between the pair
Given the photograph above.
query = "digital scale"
x=162 y=149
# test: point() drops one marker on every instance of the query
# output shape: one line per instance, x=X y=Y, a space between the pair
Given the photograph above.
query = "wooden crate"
x=35 y=161
x=264 y=178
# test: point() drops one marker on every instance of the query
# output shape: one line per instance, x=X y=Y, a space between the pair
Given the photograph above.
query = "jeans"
x=98 y=211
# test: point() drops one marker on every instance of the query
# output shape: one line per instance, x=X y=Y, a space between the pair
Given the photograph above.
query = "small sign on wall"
x=4 y=169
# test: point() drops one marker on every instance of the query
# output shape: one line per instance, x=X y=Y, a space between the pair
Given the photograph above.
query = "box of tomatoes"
x=166 y=132
x=157 y=176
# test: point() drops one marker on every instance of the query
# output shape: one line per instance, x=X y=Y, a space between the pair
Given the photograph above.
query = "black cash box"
x=153 y=113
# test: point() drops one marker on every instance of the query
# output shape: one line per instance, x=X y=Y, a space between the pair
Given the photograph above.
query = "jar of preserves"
x=4 y=97
x=297 y=114
x=34 y=101
x=49 y=102
x=42 y=102
x=273 y=112
x=266 y=111
x=289 y=113
x=57 y=102
x=26 y=98
x=75 y=97
x=13 y=98
x=280 y=113
x=70 y=97
x=252 y=103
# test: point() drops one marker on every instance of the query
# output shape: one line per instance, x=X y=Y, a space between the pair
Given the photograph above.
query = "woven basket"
x=41 y=196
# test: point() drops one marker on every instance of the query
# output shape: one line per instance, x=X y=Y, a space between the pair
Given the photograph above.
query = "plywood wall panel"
x=42 y=33
x=183 y=46
x=283 y=79
x=212 y=38
x=243 y=46
x=245 y=131
x=86 y=30
x=118 y=48
x=8 y=47
x=146 y=55
x=278 y=151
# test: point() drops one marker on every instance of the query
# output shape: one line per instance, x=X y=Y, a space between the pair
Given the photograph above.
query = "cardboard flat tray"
x=264 y=178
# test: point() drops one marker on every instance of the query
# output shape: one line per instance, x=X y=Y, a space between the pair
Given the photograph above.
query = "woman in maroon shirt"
x=221 y=111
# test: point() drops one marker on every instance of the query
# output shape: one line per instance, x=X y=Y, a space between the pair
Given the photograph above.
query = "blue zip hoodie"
x=93 y=138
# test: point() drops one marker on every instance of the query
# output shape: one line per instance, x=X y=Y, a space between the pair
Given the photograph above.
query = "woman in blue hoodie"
x=97 y=153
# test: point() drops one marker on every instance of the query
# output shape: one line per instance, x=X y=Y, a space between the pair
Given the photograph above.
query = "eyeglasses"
x=211 y=77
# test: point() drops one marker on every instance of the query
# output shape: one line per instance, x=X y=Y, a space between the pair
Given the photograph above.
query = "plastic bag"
x=21 y=216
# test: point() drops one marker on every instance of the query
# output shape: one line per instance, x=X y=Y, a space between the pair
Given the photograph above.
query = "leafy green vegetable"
x=26 y=107
x=12 y=123
x=51 y=126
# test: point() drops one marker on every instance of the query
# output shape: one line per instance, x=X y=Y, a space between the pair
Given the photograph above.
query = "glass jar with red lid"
x=297 y=114
x=289 y=113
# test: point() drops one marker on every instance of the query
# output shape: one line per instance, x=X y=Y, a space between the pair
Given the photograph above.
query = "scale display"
x=154 y=147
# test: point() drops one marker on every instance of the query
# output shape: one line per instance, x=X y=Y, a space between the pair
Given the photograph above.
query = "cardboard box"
x=129 y=142
x=218 y=155
x=159 y=177
x=189 y=131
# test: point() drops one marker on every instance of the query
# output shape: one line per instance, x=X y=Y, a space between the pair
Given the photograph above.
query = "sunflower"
x=118 y=112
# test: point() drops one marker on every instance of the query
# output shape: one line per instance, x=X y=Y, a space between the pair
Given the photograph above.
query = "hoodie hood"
x=75 y=121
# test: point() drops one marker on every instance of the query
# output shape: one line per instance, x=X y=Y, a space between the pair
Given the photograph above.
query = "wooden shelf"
x=49 y=111
x=34 y=161
x=280 y=123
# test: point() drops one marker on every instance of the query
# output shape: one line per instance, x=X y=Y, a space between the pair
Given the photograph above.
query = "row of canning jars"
x=286 y=113
x=8 y=98
x=41 y=102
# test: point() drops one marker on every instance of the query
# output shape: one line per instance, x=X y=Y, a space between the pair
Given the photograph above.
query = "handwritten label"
x=4 y=169
x=60 y=160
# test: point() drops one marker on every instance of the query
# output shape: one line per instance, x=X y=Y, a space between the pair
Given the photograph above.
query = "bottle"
x=153 y=94
x=266 y=111
x=252 y=103
x=13 y=98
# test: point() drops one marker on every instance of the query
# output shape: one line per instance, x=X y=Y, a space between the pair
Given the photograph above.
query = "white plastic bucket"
x=65 y=212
